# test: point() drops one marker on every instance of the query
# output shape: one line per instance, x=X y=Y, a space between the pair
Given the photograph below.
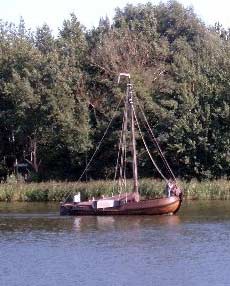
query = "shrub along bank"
x=149 y=188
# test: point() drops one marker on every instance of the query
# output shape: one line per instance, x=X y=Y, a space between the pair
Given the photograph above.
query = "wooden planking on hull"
x=146 y=207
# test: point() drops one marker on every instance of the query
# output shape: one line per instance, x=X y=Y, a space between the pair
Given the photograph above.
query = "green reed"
x=149 y=188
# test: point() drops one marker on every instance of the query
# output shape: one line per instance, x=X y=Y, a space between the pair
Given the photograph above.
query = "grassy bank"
x=57 y=191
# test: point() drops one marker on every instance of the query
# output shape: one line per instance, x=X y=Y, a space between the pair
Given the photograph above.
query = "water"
x=40 y=248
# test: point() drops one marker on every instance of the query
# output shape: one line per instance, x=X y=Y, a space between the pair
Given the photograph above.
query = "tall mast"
x=129 y=99
x=133 y=138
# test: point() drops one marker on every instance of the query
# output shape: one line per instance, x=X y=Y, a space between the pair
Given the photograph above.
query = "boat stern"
x=64 y=209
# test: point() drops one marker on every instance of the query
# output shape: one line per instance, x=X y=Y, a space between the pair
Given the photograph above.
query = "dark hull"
x=158 y=206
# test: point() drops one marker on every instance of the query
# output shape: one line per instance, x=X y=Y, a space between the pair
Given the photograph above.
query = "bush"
x=149 y=188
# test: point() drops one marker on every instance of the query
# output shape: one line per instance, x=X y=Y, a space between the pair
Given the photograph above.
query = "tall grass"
x=149 y=188
x=207 y=190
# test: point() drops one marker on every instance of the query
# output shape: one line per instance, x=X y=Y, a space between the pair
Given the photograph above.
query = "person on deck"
x=172 y=189
x=169 y=190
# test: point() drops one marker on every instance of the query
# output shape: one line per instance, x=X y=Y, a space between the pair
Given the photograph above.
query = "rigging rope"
x=118 y=156
x=146 y=147
x=98 y=146
x=121 y=156
x=156 y=143
x=125 y=141
x=123 y=153
x=122 y=146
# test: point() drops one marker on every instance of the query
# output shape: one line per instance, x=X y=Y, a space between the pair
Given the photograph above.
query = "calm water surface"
x=40 y=248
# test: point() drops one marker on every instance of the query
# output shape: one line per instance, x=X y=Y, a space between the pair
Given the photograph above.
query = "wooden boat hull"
x=157 y=206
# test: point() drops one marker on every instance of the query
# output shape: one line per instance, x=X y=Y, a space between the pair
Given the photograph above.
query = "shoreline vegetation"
x=53 y=191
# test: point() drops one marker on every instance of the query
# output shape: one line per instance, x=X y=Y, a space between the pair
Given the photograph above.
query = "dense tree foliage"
x=58 y=94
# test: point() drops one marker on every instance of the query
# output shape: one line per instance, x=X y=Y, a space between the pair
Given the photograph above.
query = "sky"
x=88 y=12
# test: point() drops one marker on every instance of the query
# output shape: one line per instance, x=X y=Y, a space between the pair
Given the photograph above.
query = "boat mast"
x=129 y=98
x=133 y=138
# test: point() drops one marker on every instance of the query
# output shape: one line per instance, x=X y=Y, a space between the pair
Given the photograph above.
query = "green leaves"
x=60 y=92
x=42 y=95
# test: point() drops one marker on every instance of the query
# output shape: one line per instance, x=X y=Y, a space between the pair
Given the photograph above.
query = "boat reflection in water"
x=108 y=223
x=89 y=223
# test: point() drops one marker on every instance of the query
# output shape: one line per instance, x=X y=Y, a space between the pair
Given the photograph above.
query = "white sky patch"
x=54 y=12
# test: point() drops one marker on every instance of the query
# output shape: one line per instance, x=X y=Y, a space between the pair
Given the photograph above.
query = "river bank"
x=57 y=191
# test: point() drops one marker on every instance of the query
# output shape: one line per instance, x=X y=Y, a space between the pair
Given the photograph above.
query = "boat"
x=125 y=203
